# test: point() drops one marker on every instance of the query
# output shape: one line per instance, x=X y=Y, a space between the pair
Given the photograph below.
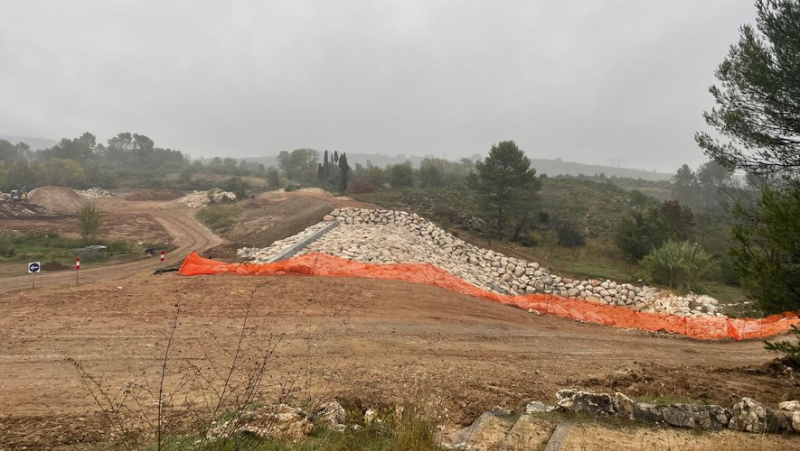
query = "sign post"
x=162 y=256
x=34 y=268
x=77 y=268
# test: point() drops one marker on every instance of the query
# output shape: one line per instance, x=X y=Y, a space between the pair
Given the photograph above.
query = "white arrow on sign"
x=34 y=267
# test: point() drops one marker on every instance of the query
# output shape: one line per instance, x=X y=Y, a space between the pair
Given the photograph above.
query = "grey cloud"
x=583 y=80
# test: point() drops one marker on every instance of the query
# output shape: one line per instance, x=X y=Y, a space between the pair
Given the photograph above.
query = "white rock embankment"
x=94 y=193
x=199 y=199
x=387 y=236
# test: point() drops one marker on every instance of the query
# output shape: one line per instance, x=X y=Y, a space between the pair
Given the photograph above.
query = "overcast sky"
x=583 y=80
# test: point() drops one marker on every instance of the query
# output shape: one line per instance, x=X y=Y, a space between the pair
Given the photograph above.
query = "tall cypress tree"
x=344 y=169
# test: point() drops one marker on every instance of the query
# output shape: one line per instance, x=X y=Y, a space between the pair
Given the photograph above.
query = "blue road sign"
x=34 y=267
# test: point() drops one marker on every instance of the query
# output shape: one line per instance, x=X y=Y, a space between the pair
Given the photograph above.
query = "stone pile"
x=388 y=236
x=265 y=255
x=748 y=415
x=94 y=193
x=199 y=199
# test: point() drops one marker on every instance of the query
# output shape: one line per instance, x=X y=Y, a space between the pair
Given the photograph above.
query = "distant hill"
x=35 y=143
x=549 y=167
x=559 y=167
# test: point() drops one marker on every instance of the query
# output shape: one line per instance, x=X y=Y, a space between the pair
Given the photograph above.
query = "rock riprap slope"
x=388 y=236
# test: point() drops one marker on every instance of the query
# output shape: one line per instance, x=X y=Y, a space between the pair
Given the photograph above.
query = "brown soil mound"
x=155 y=194
x=57 y=198
x=54 y=266
x=10 y=209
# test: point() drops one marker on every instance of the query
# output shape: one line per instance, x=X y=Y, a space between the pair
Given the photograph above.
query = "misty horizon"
x=622 y=84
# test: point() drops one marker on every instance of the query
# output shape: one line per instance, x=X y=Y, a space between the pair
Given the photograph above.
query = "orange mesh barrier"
x=319 y=264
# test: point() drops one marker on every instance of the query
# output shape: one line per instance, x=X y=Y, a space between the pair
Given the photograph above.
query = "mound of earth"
x=57 y=198
x=10 y=209
x=155 y=194
x=54 y=266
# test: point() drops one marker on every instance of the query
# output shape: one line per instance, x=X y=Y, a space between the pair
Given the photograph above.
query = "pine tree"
x=506 y=185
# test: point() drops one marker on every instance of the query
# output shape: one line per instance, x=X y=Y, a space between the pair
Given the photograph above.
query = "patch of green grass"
x=412 y=433
x=46 y=247
x=594 y=261
x=220 y=217
x=422 y=200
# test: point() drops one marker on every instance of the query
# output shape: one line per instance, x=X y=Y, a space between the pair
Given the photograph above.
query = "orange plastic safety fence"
x=319 y=264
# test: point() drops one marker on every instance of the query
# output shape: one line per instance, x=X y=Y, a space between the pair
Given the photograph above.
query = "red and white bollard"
x=162 y=256
x=77 y=268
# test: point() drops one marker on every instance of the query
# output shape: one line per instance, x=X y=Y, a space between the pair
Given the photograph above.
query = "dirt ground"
x=373 y=341
x=360 y=338
x=170 y=223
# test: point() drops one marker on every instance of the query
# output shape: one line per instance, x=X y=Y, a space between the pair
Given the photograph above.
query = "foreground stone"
x=747 y=415
x=278 y=422
x=332 y=414
x=597 y=404
x=704 y=417
x=750 y=415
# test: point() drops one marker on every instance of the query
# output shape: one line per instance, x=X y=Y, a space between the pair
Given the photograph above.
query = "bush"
x=446 y=211
x=7 y=248
x=89 y=219
x=292 y=187
x=641 y=231
x=544 y=217
x=728 y=272
x=569 y=236
x=527 y=240
x=678 y=264
x=361 y=186
x=220 y=217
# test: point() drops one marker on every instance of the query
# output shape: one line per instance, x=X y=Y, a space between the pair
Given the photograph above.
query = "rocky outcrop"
x=750 y=415
x=689 y=416
x=333 y=415
x=597 y=404
x=747 y=415
x=791 y=411
x=276 y=422
x=199 y=199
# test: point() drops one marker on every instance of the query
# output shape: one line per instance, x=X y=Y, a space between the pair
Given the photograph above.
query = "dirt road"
x=177 y=219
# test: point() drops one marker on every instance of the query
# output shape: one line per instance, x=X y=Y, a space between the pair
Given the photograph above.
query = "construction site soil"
x=382 y=341
x=377 y=341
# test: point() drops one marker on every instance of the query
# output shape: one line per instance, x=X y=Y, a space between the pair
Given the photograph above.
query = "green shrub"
x=678 y=264
x=569 y=236
x=361 y=186
x=220 y=217
x=7 y=248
